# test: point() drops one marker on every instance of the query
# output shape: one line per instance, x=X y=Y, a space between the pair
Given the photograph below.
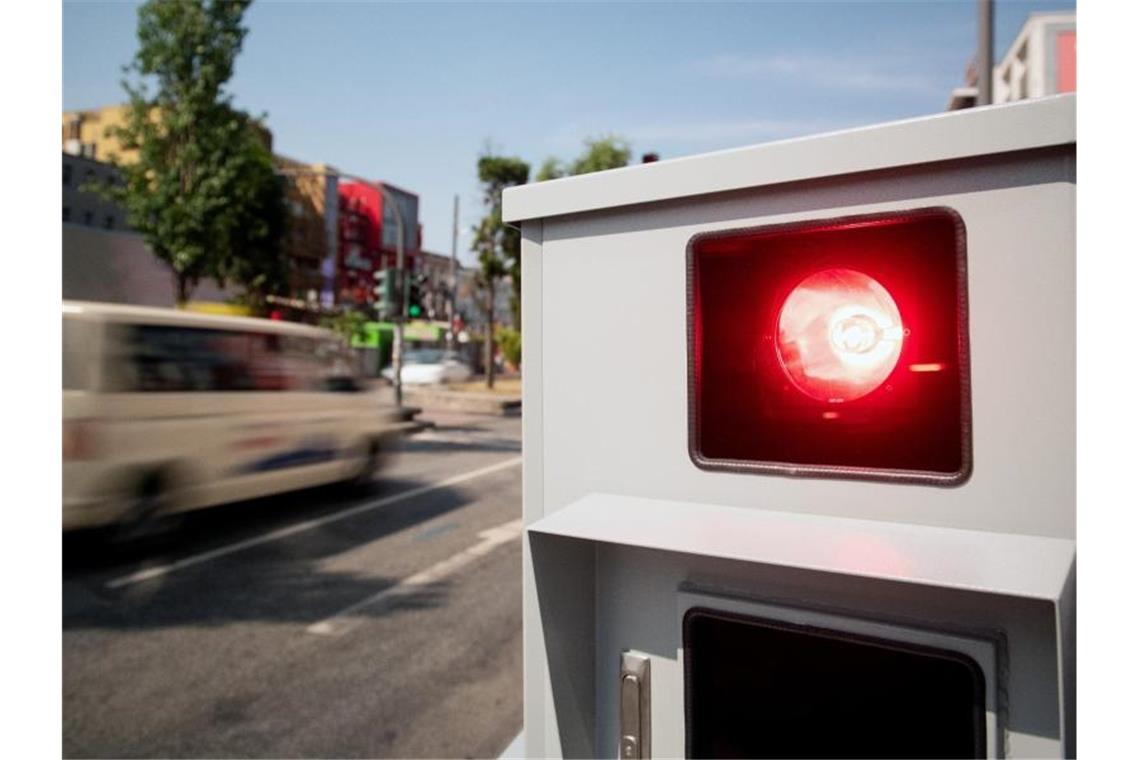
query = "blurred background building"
x=83 y=206
x=339 y=233
x=103 y=258
x=368 y=237
x=311 y=235
x=1041 y=61
x=86 y=133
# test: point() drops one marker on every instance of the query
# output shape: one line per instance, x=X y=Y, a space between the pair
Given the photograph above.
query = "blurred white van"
x=166 y=411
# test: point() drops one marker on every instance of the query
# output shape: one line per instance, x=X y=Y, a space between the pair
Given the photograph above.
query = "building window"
x=88 y=218
x=108 y=222
x=66 y=174
x=66 y=214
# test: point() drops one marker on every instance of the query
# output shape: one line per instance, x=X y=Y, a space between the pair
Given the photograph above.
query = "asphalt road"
x=319 y=624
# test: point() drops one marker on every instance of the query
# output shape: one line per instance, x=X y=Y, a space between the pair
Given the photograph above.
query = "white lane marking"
x=342 y=621
x=160 y=570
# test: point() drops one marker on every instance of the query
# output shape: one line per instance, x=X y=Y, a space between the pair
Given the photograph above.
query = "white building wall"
x=1027 y=69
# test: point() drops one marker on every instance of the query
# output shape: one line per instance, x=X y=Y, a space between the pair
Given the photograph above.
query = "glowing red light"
x=840 y=335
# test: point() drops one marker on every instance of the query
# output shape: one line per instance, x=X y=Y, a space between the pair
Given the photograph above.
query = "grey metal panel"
x=1031 y=567
x=605 y=405
x=539 y=719
x=941 y=137
x=1067 y=661
x=639 y=592
x=616 y=422
x=564 y=621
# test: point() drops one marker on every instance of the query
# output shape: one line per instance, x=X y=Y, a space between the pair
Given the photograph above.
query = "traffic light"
x=417 y=290
x=385 y=292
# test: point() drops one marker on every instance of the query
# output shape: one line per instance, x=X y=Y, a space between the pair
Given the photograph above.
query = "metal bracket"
x=634 y=706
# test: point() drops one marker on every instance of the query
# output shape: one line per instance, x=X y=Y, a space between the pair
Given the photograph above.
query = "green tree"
x=551 y=169
x=510 y=343
x=253 y=255
x=599 y=154
x=497 y=245
x=349 y=324
x=199 y=192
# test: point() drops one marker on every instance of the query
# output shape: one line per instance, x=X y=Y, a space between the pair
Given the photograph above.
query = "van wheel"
x=367 y=472
x=147 y=517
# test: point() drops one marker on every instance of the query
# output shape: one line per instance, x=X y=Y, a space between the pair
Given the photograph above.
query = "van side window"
x=184 y=359
x=268 y=367
x=171 y=359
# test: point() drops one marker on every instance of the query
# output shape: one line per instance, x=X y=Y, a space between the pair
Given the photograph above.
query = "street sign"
x=823 y=505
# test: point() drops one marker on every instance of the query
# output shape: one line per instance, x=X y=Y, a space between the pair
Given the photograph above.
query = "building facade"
x=85 y=133
x=471 y=304
x=82 y=205
x=338 y=235
x=368 y=238
x=311 y=235
x=103 y=258
x=1041 y=61
x=89 y=133
x=359 y=254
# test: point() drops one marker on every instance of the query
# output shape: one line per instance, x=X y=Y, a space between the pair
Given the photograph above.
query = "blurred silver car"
x=431 y=366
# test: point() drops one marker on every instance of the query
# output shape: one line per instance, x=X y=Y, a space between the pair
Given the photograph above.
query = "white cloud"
x=837 y=73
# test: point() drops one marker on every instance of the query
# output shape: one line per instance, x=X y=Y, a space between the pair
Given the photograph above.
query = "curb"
x=474 y=403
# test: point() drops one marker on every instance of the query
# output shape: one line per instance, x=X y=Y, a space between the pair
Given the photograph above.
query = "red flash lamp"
x=840 y=335
x=832 y=348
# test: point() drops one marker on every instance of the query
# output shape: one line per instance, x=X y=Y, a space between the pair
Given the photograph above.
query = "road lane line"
x=342 y=621
x=196 y=559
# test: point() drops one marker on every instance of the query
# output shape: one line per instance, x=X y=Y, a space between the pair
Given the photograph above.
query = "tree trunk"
x=181 y=289
x=489 y=339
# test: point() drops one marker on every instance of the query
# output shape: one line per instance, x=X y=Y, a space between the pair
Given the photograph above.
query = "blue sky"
x=411 y=93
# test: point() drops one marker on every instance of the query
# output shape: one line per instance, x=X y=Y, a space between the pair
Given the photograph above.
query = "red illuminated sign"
x=1066 y=62
x=832 y=348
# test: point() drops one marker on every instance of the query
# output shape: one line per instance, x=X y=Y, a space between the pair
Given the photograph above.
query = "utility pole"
x=398 y=342
x=985 y=54
x=452 y=284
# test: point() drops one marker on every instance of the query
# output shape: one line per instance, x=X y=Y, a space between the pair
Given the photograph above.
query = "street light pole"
x=398 y=341
x=985 y=52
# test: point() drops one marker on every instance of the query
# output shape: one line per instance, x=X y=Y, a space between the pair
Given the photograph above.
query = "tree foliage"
x=253 y=255
x=510 y=343
x=598 y=155
x=349 y=324
x=601 y=153
x=498 y=245
x=203 y=191
x=551 y=168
